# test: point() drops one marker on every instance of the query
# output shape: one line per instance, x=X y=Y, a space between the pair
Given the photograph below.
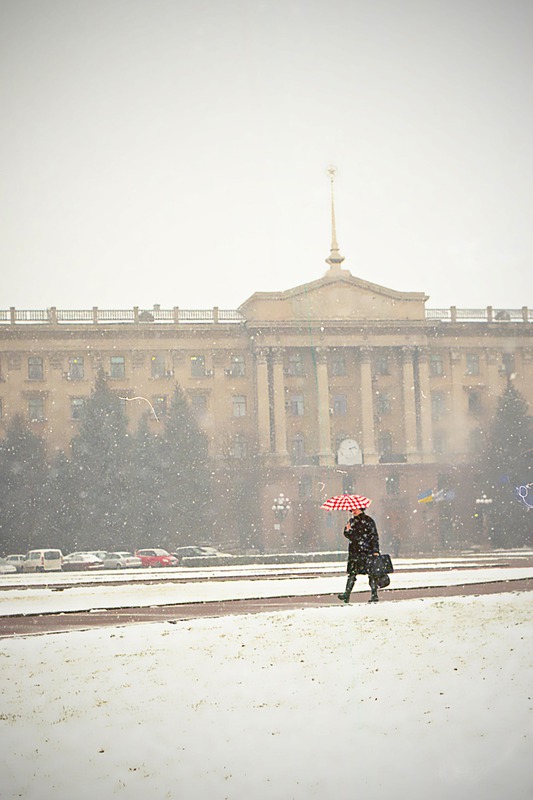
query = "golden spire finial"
x=335 y=259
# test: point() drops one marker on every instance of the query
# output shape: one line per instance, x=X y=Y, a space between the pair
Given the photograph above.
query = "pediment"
x=337 y=296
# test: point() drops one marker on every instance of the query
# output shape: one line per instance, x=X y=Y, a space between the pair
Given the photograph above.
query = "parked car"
x=193 y=550
x=121 y=560
x=44 y=560
x=82 y=561
x=16 y=559
x=156 y=557
x=7 y=568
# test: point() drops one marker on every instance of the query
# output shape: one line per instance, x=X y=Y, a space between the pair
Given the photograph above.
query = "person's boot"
x=345 y=596
x=374 y=592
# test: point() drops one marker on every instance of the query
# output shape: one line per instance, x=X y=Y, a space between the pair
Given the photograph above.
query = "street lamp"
x=484 y=504
x=281 y=507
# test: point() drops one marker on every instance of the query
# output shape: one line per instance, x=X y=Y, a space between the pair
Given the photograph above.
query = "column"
x=280 y=423
x=263 y=412
x=325 y=453
x=458 y=432
x=367 y=407
x=426 y=425
x=409 y=404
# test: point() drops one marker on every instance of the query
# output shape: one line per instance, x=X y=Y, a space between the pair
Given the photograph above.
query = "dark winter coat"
x=363 y=536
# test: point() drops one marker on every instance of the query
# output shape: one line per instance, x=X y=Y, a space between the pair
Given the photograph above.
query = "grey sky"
x=172 y=152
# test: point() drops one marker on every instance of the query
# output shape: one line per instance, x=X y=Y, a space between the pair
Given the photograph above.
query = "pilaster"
x=367 y=407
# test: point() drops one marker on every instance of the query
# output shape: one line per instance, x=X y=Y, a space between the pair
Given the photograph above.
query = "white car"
x=16 y=559
x=121 y=560
x=45 y=560
x=6 y=568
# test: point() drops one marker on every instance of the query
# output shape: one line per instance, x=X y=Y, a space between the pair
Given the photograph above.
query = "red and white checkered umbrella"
x=346 y=502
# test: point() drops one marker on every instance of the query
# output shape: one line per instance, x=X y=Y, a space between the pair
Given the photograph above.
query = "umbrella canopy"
x=346 y=502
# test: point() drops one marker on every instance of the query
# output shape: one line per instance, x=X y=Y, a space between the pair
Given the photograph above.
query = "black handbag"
x=381 y=565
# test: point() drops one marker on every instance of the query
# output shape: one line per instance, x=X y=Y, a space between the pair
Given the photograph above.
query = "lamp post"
x=484 y=504
x=280 y=508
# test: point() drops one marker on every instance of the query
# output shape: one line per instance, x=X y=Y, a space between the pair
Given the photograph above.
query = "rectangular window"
x=35 y=368
x=382 y=403
x=238 y=366
x=385 y=443
x=199 y=403
x=338 y=364
x=305 y=487
x=76 y=370
x=239 y=406
x=76 y=407
x=339 y=405
x=436 y=364
x=474 y=403
x=198 y=366
x=296 y=364
x=392 y=484
x=1 y=409
x=437 y=405
x=157 y=366
x=381 y=364
x=472 y=364
x=298 y=449
x=297 y=405
x=239 y=449
x=439 y=442
x=118 y=367
x=36 y=408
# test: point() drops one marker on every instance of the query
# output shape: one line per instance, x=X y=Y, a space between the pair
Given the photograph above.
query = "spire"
x=334 y=259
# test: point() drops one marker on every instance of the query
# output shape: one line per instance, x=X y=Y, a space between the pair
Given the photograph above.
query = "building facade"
x=338 y=385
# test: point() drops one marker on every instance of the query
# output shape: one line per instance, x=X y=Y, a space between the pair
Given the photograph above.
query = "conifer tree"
x=100 y=465
x=184 y=491
x=22 y=476
x=503 y=465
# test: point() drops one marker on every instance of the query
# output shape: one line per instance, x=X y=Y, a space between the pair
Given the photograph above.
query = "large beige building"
x=341 y=385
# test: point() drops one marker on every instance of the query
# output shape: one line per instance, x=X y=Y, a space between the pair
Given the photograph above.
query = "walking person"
x=362 y=533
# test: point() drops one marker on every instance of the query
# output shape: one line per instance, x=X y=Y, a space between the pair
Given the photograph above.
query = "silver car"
x=121 y=560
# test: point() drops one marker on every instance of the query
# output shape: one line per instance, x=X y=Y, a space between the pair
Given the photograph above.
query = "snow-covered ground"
x=426 y=698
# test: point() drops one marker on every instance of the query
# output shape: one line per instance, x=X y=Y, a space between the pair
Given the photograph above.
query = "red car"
x=156 y=557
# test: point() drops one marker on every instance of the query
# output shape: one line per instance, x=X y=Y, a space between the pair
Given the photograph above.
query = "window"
x=437 y=405
x=76 y=370
x=297 y=405
x=439 y=442
x=296 y=364
x=472 y=364
x=36 y=408
x=35 y=368
x=347 y=484
x=382 y=403
x=239 y=449
x=305 y=487
x=159 y=403
x=238 y=366
x=385 y=443
x=338 y=364
x=199 y=404
x=1 y=409
x=76 y=407
x=198 y=366
x=339 y=404
x=474 y=402
x=436 y=364
x=158 y=365
x=392 y=484
x=118 y=367
x=381 y=364
x=508 y=364
x=298 y=448
x=239 y=405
